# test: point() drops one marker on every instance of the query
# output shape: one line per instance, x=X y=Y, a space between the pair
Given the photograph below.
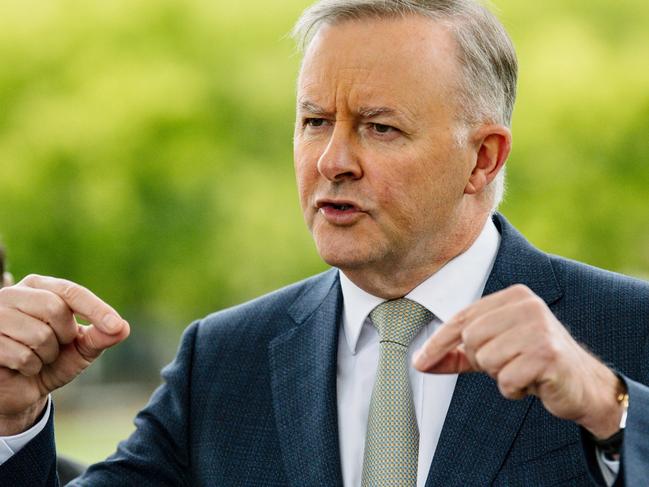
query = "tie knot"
x=399 y=320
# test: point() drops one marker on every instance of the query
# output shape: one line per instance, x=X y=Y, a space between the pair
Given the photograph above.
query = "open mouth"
x=340 y=212
x=336 y=205
x=341 y=207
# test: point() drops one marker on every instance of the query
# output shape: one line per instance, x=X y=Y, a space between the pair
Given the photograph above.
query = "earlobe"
x=493 y=147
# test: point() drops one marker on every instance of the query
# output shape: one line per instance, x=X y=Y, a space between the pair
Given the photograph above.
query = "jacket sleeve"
x=156 y=454
x=635 y=448
x=634 y=458
x=35 y=463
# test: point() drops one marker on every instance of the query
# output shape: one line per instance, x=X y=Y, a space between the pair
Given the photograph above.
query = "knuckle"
x=8 y=296
x=467 y=337
x=34 y=367
x=48 y=356
x=97 y=312
x=535 y=304
x=70 y=291
x=56 y=310
x=507 y=385
x=89 y=351
x=31 y=279
x=42 y=336
x=460 y=319
x=521 y=291
x=24 y=360
x=518 y=288
x=550 y=351
x=505 y=391
x=484 y=361
x=52 y=307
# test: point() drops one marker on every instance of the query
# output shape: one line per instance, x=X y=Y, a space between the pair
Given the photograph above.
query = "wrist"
x=607 y=407
x=14 y=424
x=612 y=445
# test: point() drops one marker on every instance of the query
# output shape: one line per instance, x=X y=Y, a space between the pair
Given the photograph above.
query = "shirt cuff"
x=609 y=468
x=10 y=445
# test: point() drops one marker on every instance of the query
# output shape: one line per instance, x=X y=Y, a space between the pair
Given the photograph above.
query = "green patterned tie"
x=392 y=441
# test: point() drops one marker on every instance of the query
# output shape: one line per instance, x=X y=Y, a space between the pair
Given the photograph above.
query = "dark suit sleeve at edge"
x=156 y=454
x=35 y=464
x=634 y=464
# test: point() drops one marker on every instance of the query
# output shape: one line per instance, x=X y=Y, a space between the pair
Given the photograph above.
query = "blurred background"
x=145 y=152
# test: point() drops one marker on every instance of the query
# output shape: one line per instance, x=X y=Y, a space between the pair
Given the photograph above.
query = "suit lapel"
x=303 y=381
x=481 y=424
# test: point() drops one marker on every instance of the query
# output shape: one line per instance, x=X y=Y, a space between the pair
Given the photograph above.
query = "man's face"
x=380 y=173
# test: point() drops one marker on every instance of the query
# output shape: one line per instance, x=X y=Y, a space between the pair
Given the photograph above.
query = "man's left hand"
x=513 y=337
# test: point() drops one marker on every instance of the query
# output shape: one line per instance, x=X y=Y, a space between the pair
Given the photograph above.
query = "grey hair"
x=486 y=53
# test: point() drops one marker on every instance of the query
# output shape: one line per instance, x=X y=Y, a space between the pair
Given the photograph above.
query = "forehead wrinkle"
x=365 y=112
x=338 y=52
x=351 y=90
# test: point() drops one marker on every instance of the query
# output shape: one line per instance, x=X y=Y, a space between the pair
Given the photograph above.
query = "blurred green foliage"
x=145 y=145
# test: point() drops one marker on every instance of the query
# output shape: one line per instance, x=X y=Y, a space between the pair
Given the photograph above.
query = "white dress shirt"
x=455 y=286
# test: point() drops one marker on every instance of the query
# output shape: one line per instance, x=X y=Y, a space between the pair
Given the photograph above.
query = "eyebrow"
x=307 y=106
x=364 y=112
x=371 y=112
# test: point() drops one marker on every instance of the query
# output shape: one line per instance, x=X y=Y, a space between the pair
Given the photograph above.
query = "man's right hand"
x=42 y=347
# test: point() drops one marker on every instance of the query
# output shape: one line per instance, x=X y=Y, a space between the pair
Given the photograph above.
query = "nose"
x=339 y=160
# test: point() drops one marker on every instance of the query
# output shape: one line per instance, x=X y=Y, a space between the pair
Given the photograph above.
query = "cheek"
x=396 y=195
x=411 y=194
x=306 y=178
x=399 y=183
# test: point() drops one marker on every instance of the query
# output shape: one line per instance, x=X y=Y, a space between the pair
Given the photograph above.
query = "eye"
x=382 y=129
x=313 y=122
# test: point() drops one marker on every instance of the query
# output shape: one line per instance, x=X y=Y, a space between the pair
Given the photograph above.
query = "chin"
x=347 y=256
x=346 y=247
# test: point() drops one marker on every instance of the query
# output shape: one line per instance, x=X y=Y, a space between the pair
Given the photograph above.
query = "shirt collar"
x=452 y=288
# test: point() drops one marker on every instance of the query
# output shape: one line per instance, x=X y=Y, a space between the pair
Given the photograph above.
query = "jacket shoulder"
x=270 y=314
x=600 y=284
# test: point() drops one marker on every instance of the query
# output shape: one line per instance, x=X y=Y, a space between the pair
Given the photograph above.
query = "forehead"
x=406 y=59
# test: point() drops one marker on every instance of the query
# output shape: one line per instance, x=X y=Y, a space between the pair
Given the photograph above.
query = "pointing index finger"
x=449 y=336
x=444 y=340
x=81 y=301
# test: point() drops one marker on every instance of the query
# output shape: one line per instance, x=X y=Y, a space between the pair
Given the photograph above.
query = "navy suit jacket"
x=250 y=399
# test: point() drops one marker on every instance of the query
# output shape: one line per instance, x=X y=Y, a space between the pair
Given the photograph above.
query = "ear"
x=493 y=144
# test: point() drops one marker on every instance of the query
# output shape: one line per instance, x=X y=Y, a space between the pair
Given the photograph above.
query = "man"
x=402 y=131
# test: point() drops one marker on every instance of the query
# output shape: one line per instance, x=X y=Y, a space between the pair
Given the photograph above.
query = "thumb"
x=78 y=355
x=91 y=341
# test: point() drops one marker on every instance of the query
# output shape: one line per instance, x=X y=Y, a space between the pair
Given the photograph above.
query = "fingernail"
x=112 y=323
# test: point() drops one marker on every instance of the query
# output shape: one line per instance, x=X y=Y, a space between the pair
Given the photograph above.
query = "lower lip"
x=340 y=217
